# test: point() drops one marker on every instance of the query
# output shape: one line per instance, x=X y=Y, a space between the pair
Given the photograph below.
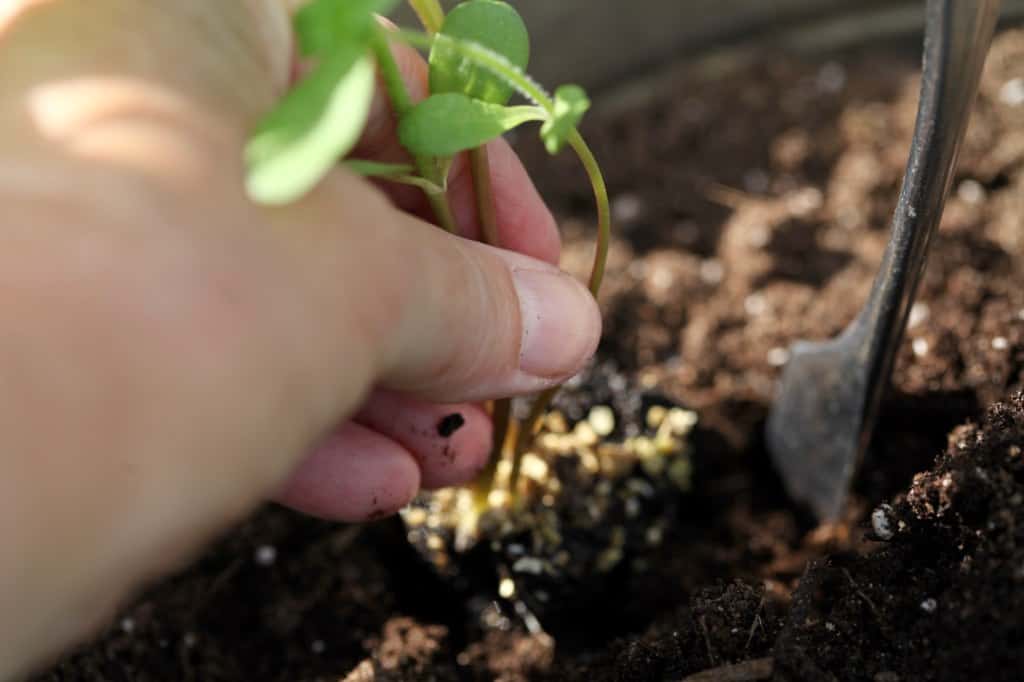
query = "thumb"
x=480 y=322
x=444 y=318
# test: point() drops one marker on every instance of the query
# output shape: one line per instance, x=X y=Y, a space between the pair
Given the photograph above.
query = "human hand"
x=174 y=354
x=425 y=429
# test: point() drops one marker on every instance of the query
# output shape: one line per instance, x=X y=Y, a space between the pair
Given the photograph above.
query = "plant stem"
x=502 y=411
x=401 y=101
x=604 y=214
x=432 y=16
x=483 y=484
x=430 y=13
x=604 y=224
x=442 y=210
x=527 y=431
x=481 y=169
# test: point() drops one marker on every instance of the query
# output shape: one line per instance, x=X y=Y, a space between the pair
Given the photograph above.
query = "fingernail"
x=561 y=323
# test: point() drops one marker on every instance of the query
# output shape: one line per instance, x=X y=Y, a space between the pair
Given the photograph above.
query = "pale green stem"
x=502 y=412
x=527 y=432
x=604 y=214
x=430 y=13
x=483 y=484
x=432 y=16
x=402 y=103
x=604 y=227
x=481 y=170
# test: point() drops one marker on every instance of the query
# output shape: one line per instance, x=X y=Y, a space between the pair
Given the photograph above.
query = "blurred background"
x=600 y=42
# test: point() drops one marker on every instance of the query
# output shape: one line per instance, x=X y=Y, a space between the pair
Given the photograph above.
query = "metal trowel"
x=829 y=394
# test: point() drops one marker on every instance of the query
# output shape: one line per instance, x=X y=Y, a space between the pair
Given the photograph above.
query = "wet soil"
x=752 y=209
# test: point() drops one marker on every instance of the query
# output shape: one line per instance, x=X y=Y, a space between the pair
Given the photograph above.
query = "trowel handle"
x=957 y=38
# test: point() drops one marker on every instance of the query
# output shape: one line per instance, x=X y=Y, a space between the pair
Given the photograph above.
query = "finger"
x=488 y=323
x=451 y=443
x=524 y=222
x=447 y=319
x=356 y=475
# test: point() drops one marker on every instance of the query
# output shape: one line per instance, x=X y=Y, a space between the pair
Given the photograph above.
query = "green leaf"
x=571 y=102
x=312 y=127
x=443 y=125
x=321 y=25
x=495 y=25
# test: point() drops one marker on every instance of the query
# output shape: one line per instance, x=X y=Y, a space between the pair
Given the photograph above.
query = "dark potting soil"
x=752 y=209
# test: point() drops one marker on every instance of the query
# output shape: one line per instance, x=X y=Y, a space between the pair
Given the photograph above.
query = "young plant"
x=477 y=56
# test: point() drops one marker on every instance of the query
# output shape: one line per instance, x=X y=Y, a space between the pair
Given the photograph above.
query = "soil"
x=752 y=209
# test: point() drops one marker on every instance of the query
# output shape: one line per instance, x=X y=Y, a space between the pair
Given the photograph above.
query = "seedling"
x=477 y=54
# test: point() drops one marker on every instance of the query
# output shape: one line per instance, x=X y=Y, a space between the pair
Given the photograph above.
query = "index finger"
x=524 y=222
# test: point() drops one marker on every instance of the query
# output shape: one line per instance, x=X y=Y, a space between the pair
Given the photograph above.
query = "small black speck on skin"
x=450 y=424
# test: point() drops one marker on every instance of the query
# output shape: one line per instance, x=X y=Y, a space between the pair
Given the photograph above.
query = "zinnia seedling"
x=477 y=54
